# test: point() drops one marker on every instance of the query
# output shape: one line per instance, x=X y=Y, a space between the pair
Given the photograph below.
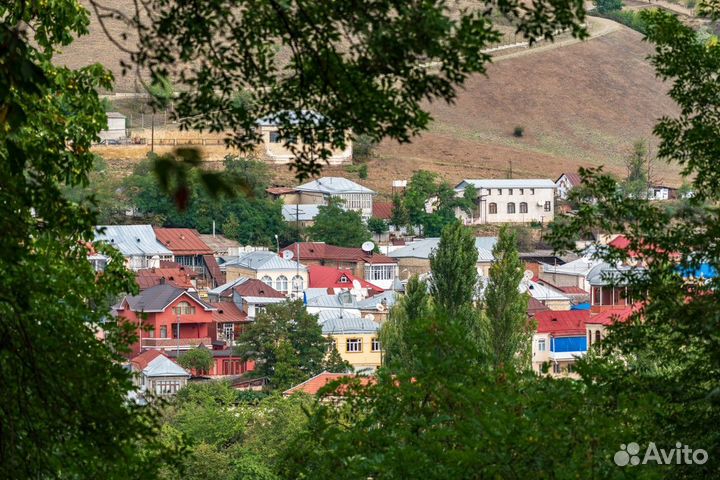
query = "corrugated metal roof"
x=132 y=240
x=388 y=296
x=347 y=324
x=423 y=249
x=157 y=298
x=324 y=251
x=302 y=213
x=581 y=266
x=541 y=292
x=260 y=261
x=507 y=183
x=182 y=241
x=331 y=313
x=162 y=366
x=334 y=186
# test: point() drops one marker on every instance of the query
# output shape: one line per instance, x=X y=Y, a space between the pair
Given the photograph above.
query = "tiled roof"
x=348 y=324
x=141 y=361
x=132 y=240
x=382 y=210
x=227 y=312
x=324 y=251
x=507 y=183
x=262 y=260
x=328 y=277
x=423 y=248
x=313 y=385
x=182 y=241
x=608 y=317
x=333 y=186
x=157 y=298
x=569 y=322
x=178 y=276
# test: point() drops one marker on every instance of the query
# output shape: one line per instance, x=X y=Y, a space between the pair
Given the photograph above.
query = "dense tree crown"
x=338 y=226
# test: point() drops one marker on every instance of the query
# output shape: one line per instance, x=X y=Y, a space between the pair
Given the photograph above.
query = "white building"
x=510 y=201
x=137 y=243
x=116 y=127
x=565 y=183
x=353 y=195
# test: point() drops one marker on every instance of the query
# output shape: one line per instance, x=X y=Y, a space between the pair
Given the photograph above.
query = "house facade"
x=559 y=341
x=155 y=375
x=356 y=339
x=137 y=243
x=288 y=277
x=510 y=201
x=191 y=252
x=414 y=258
x=565 y=183
x=354 y=196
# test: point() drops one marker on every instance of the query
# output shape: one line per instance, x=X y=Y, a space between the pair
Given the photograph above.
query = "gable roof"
x=246 y=287
x=574 y=178
x=226 y=312
x=177 y=276
x=132 y=240
x=562 y=323
x=141 y=360
x=333 y=186
x=162 y=366
x=159 y=297
x=506 y=183
x=264 y=260
x=382 y=210
x=182 y=241
x=348 y=324
x=324 y=251
x=388 y=296
x=328 y=277
x=312 y=385
x=423 y=248
x=535 y=306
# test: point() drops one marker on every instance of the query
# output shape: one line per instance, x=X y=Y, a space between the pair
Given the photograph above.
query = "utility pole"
x=297 y=248
x=152 y=132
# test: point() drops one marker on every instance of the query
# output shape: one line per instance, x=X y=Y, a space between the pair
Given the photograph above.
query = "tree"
x=198 y=359
x=334 y=362
x=454 y=271
x=286 y=343
x=337 y=226
x=377 y=225
x=506 y=328
x=608 y=6
x=420 y=188
x=399 y=214
x=63 y=393
x=638 y=166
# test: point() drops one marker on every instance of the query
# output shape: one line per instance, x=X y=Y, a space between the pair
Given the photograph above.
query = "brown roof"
x=382 y=210
x=279 y=190
x=228 y=312
x=253 y=287
x=214 y=269
x=535 y=306
x=178 y=276
x=314 y=384
x=182 y=241
x=141 y=361
x=574 y=179
x=218 y=243
x=324 y=251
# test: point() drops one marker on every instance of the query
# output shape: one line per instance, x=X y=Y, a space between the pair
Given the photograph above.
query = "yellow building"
x=356 y=339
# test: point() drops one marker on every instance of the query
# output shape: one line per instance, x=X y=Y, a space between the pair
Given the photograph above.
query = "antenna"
x=368 y=247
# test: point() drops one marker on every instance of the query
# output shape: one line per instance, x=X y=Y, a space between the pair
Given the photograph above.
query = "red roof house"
x=562 y=323
x=178 y=276
x=190 y=250
x=382 y=210
x=328 y=277
x=313 y=385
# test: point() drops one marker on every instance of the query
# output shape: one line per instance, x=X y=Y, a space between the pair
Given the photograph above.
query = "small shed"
x=116 y=128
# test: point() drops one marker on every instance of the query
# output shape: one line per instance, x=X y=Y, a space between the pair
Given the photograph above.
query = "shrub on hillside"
x=519 y=131
x=604 y=7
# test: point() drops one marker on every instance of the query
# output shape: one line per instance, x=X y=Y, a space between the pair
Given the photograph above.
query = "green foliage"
x=507 y=332
x=453 y=266
x=630 y=19
x=363 y=171
x=337 y=226
x=637 y=164
x=399 y=217
x=197 y=359
x=608 y=6
x=374 y=89
x=519 y=131
x=334 y=362
x=420 y=188
x=286 y=343
x=63 y=393
x=377 y=226
x=161 y=92
x=364 y=148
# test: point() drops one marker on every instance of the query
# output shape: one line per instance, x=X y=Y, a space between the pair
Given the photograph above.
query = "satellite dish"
x=367 y=247
x=356 y=284
x=380 y=307
x=370 y=317
x=288 y=254
x=528 y=275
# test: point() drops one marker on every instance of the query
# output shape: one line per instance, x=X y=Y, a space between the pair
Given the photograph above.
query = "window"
x=375 y=346
x=492 y=208
x=163 y=332
x=522 y=191
x=281 y=284
x=266 y=280
x=541 y=345
x=298 y=285
x=511 y=207
x=344 y=279
x=353 y=345
x=510 y=191
x=548 y=207
x=274 y=137
x=166 y=387
x=184 y=308
x=356 y=201
x=598 y=336
x=499 y=191
x=589 y=338
x=379 y=272
x=556 y=367
x=532 y=191
x=226 y=331
x=596 y=293
x=523 y=207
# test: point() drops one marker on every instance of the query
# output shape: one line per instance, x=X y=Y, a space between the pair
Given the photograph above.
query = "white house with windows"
x=286 y=276
x=137 y=243
x=510 y=201
x=353 y=195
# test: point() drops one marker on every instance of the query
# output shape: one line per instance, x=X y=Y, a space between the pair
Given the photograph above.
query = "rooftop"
x=300 y=213
x=328 y=277
x=219 y=244
x=324 y=251
x=382 y=210
x=177 y=276
x=507 y=183
x=227 y=312
x=182 y=241
x=313 y=385
x=348 y=324
x=574 y=179
x=159 y=297
x=333 y=186
x=423 y=248
x=246 y=287
x=568 y=322
x=262 y=260
x=132 y=240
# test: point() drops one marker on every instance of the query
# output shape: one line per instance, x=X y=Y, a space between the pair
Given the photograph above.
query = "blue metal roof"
x=132 y=240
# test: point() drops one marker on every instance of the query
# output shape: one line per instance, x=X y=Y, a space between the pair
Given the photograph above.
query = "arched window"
x=598 y=336
x=492 y=208
x=511 y=207
x=523 y=207
x=266 y=280
x=281 y=284
x=184 y=308
x=298 y=284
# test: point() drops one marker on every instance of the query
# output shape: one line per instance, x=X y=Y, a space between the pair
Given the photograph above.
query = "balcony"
x=565 y=356
x=172 y=343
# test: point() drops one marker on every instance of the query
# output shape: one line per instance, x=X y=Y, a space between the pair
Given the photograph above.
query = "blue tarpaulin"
x=569 y=344
x=581 y=306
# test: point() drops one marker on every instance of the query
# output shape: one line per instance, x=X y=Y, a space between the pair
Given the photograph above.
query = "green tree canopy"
x=199 y=359
x=377 y=226
x=337 y=226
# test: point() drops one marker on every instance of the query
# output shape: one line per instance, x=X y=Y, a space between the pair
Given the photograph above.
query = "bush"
x=363 y=147
x=519 y=131
x=363 y=171
x=630 y=19
x=607 y=6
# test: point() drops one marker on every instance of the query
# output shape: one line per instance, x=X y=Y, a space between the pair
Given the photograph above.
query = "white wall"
x=534 y=197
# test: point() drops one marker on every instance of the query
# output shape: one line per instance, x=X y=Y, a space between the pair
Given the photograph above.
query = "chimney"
x=162 y=280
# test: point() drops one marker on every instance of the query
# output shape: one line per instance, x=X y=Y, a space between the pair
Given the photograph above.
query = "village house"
x=565 y=183
x=155 y=375
x=318 y=192
x=313 y=385
x=414 y=258
x=378 y=269
x=571 y=274
x=560 y=340
x=509 y=201
x=607 y=286
x=286 y=276
x=249 y=295
x=137 y=243
x=192 y=253
x=356 y=339
x=335 y=281
x=177 y=276
x=274 y=150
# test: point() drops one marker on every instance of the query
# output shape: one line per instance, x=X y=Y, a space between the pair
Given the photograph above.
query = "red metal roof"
x=253 y=287
x=228 y=312
x=141 y=361
x=178 y=276
x=324 y=251
x=608 y=317
x=314 y=384
x=382 y=210
x=182 y=241
x=574 y=178
x=535 y=306
x=567 y=322
x=328 y=277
